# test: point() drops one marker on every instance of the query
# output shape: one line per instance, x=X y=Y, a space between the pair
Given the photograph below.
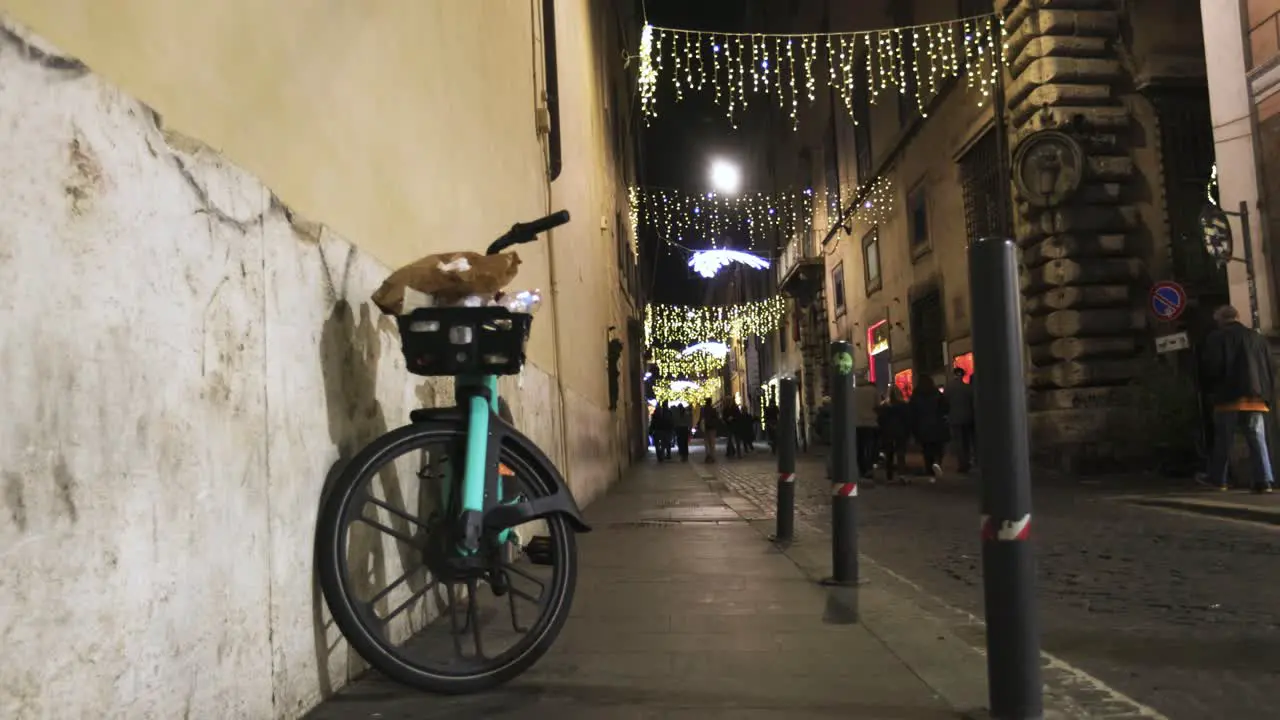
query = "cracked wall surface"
x=186 y=358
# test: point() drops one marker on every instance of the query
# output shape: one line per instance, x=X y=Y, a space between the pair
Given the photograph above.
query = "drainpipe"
x=554 y=166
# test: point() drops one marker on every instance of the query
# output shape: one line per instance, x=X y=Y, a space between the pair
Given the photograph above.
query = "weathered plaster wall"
x=184 y=361
x=270 y=85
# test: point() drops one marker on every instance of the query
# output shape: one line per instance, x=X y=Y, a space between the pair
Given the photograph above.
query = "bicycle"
x=479 y=512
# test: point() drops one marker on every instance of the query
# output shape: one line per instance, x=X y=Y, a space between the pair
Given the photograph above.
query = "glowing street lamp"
x=726 y=177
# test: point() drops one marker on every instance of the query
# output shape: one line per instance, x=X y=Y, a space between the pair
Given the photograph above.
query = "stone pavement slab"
x=683 y=610
x=1235 y=504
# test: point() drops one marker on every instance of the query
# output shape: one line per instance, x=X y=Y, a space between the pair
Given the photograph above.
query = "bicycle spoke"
x=405 y=605
x=520 y=593
x=515 y=618
x=511 y=568
x=453 y=621
x=403 y=537
x=388 y=589
x=473 y=615
x=394 y=511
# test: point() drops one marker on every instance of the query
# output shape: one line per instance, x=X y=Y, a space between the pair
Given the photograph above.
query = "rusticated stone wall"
x=1084 y=268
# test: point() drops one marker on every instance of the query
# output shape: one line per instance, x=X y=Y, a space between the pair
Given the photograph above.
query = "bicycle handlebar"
x=521 y=233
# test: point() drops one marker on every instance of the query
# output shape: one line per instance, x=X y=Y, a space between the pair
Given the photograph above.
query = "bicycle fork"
x=481 y=464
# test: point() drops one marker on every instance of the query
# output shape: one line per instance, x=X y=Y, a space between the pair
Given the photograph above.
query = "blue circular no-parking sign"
x=1168 y=300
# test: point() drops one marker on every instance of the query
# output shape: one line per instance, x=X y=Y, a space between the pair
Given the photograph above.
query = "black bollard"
x=844 y=472
x=1008 y=564
x=786 y=430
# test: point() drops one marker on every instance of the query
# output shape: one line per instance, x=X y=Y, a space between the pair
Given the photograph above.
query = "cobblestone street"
x=1177 y=611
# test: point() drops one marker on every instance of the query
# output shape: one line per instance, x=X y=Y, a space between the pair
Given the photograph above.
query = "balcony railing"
x=799 y=250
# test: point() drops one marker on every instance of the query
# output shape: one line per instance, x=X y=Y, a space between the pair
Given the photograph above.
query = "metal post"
x=786 y=441
x=1008 y=564
x=844 y=475
x=1248 y=264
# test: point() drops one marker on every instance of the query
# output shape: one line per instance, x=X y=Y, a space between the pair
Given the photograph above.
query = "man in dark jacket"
x=960 y=413
x=1237 y=369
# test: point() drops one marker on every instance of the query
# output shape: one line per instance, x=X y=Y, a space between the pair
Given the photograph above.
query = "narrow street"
x=1178 y=611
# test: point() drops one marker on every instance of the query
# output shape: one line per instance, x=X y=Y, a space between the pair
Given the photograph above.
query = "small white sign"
x=1171 y=343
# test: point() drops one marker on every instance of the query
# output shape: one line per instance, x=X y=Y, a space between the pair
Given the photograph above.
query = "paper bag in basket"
x=448 y=280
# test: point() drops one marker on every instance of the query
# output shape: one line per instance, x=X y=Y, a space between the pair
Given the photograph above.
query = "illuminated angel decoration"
x=709 y=262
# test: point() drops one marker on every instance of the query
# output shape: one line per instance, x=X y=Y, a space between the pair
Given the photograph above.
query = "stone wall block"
x=1079 y=348
x=1089 y=245
x=1079 y=297
x=1073 y=374
x=1098 y=271
x=1085 y=323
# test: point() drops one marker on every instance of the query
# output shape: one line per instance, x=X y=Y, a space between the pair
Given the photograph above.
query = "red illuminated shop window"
x=877 y=342
x=905 y=383
x=964 y=362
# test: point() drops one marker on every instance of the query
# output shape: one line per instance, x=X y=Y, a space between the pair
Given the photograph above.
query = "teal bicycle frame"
x=482 y=403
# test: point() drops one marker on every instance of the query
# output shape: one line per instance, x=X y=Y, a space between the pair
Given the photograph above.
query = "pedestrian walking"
x=959 y=396
x=929 y=424
x=661 y=426
x=709 y=424
x=682 y=417
x=728 y=424
x=746 y=431
x=894 y=420
x=1237 y=367
x=866 y=427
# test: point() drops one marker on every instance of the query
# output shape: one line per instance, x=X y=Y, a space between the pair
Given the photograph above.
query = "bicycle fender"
x=560 y=501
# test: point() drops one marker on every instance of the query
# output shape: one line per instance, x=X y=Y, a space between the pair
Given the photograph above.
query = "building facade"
x=1125 y=85
x=199 y=202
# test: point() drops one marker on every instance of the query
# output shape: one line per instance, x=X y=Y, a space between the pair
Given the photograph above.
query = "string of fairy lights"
x=682 y=325
x=686 y=392
x=743 y=68
x=685 y=219
x=677 y=365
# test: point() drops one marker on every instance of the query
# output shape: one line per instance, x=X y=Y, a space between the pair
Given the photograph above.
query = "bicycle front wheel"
x=381 y=541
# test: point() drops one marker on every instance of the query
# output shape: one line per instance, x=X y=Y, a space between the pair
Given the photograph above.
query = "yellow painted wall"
x=408 y=126
x=405 y=125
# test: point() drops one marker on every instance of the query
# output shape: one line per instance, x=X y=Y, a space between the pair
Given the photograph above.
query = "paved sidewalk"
x=684 y=610
x=1234 y=504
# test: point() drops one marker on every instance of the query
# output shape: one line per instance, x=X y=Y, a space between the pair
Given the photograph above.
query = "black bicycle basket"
x=444 y=341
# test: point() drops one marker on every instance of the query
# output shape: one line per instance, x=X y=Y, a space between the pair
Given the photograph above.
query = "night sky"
x=677 y=147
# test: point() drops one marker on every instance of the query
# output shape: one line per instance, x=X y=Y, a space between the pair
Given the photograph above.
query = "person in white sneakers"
x=929 y=424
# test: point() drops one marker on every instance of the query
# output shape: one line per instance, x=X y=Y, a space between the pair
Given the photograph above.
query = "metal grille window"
x=981 y=176
x=1186 y=142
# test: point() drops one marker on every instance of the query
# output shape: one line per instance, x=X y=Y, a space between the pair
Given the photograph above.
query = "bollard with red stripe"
x=1014 y=684
x=844 y=472
x=786 y=515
